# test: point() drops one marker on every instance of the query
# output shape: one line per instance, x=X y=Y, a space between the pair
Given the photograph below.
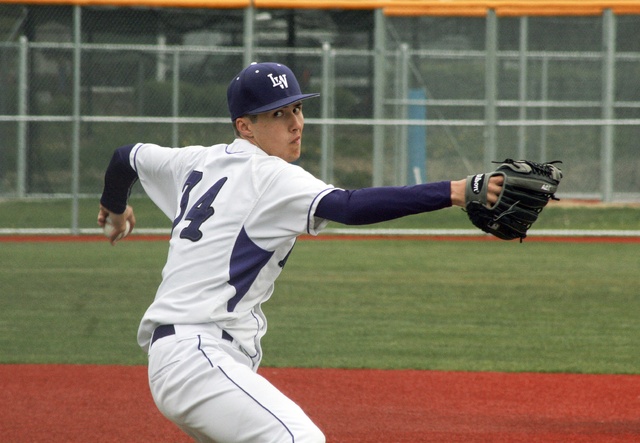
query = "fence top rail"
x=337 y=52
x=479 y=8
x=399 y=8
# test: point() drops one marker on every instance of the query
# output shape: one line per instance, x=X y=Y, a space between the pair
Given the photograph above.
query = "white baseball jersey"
x=236 y=214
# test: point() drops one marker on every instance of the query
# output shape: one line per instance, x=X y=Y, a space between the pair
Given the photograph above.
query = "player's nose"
x=297 y=122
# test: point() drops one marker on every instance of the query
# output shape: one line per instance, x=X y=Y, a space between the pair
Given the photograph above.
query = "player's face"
x=279 y=132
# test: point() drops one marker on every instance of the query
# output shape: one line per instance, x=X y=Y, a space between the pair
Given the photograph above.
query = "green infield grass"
x=461 y=305
x=56 y=213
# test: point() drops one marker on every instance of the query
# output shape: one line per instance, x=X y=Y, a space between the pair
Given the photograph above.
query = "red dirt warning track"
x=73 y=403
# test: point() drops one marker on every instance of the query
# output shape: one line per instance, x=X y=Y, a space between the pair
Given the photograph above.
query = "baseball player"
x=237 y=210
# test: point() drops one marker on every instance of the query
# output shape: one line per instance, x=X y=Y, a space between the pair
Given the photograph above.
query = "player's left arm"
x=379 y=204
x=458 y=189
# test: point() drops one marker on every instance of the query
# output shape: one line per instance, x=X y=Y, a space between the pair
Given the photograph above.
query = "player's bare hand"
x=495 y=188
x=118 y=221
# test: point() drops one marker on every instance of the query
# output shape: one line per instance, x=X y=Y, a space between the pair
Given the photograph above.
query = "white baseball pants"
x=205 y=385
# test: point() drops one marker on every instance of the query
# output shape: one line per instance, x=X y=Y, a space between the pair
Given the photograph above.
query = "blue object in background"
x=417 y=139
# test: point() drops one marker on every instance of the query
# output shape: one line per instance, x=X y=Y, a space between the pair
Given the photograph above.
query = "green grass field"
x=56 y=213
x=469 y=305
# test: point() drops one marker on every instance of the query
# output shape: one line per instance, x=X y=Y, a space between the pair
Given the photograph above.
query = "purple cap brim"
x=281 y=103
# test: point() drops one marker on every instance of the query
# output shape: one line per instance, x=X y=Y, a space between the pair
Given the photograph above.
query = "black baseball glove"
x=527 y=188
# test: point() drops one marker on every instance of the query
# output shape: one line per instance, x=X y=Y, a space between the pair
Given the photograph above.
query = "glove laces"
x=543 y=169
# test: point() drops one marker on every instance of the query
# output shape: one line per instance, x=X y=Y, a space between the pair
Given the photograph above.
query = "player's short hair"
x=263 y=87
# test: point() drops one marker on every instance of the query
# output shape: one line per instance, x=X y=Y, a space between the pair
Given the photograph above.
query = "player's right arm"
x=118 y=180
x=154 y=167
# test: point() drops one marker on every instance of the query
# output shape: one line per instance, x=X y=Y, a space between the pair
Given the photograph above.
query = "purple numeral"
x=201 y=210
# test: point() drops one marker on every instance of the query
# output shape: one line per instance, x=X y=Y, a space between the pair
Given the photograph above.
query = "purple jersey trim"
x=247 y=260
x=135 y=157
x=310 y=214
x=374 y=205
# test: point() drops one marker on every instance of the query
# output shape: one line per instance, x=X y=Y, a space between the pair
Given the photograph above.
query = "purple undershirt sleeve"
x=118 y=180
x=374 y=205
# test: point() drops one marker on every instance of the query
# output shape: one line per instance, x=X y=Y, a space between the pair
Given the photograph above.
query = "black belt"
x=167 y=330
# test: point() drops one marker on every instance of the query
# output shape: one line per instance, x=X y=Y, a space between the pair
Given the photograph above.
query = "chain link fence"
x=404 y=99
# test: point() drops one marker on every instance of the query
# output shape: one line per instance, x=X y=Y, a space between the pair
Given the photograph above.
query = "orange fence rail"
x=390 y=7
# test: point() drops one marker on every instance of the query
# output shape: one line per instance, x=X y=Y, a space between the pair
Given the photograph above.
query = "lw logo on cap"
x=280 y=80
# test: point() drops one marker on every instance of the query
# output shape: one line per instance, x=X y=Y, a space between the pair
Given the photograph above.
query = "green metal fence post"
x=608 y=97
x=491 y=88
x=75 y=143
x=378 y=97
x=23 y=87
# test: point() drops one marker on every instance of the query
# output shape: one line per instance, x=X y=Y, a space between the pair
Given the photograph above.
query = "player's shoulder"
x=245 y=152
x=264 y=168
x=192 y=151
x=190 y=148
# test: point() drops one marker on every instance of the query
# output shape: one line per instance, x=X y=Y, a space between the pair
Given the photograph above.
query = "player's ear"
x=243 y=127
